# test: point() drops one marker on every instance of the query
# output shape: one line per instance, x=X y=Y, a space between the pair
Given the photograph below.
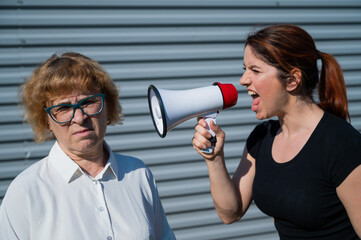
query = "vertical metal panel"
x=173 y=45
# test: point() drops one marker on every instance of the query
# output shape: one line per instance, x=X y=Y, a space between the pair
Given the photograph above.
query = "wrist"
x=214 y=158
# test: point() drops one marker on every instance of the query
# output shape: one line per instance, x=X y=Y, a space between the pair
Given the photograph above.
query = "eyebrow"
x=67 y=101
x=252 y=66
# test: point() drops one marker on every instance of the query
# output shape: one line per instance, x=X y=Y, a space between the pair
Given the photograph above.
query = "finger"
x=213 y=126
x=216 y=129
x=200 y=152
x=200 y=141
x=202 y=122
x=203 y=131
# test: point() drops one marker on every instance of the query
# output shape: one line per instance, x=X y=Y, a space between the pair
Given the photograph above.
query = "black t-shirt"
x=301 y=194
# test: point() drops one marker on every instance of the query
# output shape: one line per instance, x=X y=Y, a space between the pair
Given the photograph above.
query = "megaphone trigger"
x=208 y=118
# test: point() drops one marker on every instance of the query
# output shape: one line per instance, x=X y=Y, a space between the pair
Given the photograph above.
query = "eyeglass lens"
x=89 y=106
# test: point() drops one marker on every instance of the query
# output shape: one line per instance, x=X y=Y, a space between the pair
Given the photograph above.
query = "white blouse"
x=54 y=199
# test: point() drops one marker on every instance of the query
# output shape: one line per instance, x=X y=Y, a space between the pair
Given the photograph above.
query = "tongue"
x=255 y=103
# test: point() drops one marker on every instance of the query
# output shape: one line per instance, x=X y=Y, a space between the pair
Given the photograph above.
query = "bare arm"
x=349 y=193
x=231 y=197
x=243 y=179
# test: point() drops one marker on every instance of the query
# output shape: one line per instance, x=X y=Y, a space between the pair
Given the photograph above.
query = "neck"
x=301 y=116
x=93 y=162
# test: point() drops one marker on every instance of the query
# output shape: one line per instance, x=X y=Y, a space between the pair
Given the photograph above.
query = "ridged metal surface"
x=173 y=45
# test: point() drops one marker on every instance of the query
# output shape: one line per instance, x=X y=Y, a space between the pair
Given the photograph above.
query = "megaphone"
x=169 y=108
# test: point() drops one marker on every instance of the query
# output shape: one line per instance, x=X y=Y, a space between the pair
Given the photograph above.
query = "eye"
x=61 y=108
x=255 y=71
x=89 y=102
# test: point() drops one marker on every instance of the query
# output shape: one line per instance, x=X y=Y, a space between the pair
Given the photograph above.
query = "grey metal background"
x=173 y=45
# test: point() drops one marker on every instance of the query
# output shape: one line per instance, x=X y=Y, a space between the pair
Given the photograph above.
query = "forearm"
x=225 y=196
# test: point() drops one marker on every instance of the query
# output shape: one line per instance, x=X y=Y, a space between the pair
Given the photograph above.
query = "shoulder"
x=265 y=127
x=29 y=176
x=24 y=187
x=129 y=162
x=132 y=167
x=134 y=173
x=262 y=133
x=340 y=144
x=337 y=139
x=339 y=126
x=262 y=129
x=338 y=131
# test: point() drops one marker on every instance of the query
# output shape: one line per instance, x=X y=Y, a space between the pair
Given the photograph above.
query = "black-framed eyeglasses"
x=90 y=106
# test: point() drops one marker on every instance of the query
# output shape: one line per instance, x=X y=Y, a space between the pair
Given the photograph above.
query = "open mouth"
x=255 y=100
x=253 y=94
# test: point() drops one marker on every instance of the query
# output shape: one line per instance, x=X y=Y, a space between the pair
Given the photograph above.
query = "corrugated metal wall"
x=173 y=45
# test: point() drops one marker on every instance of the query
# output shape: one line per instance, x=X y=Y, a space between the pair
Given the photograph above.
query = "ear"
x=49 y=125
x=294 y=81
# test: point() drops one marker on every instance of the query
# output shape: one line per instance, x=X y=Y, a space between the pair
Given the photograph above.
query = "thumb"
x=220 y=135
x=214 y=127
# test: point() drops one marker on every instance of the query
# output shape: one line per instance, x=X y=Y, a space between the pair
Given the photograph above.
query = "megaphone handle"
x=210 y=117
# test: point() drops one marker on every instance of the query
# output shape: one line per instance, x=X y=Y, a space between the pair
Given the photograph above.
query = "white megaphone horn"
x=169 y=108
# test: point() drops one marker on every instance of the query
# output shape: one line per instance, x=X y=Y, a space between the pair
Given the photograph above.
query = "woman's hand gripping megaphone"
x=201 y=139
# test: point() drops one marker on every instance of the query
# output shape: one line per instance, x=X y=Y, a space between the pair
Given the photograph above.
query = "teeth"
x=251 y=93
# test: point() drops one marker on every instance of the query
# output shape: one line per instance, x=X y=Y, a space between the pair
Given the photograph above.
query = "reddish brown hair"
x=288 y=47
x=62 y=75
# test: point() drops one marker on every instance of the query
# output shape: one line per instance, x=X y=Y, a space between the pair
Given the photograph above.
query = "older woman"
x=303 y=169
x=81 y=190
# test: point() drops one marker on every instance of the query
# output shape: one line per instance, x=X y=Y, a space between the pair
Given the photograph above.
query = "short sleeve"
x=255 y=139
x=344 y=157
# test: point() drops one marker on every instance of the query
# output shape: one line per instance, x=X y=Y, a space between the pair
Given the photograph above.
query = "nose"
x=245 y=79
x=79 y=116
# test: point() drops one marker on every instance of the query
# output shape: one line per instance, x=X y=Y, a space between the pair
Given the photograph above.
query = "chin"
x=261 y=116
x=87 y=144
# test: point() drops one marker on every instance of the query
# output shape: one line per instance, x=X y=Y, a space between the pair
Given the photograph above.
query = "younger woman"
x=303 y=169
